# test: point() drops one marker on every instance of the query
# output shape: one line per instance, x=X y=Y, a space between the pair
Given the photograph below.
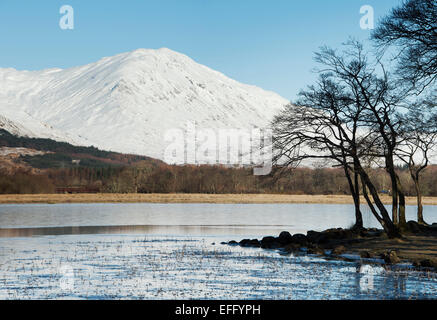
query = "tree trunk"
x=395 y=200
x=402 y=218
x=358 y=214
x=370 y=204
x=355 y=192
x=419 y=200
x=389 y=227
x=394 y=185
x=394 y=210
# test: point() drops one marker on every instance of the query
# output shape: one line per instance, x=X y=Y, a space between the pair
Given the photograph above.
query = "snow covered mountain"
x=127 y=102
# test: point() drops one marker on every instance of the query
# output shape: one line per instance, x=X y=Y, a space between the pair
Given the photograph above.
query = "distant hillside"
x=65 y=155
x=128 y=102
x=30 y=165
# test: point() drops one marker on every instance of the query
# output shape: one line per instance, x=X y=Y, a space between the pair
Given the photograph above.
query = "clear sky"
x=268 y=43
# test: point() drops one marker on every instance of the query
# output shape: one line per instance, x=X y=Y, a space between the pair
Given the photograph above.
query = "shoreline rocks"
x=335 y=242
x=390 y=257
x=338 y=250
x=425 y=263
x=254 y=243
x=285 y=237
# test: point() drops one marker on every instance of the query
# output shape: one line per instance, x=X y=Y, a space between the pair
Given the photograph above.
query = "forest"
x=162 y=178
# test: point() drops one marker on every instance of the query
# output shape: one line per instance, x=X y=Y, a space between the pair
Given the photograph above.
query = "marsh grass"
x=158 y=267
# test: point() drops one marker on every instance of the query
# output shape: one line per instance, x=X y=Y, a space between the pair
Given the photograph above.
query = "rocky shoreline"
x=417 y=247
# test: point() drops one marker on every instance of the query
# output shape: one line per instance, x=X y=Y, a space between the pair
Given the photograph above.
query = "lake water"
x=173 y=251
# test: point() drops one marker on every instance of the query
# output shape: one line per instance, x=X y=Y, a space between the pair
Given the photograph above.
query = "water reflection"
x=143 y=229
x=296 y=218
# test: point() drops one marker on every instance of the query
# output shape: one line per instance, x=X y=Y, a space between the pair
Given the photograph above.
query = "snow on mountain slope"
x=127 y=102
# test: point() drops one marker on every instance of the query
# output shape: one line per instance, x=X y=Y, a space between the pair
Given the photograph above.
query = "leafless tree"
x=412 y=27
x=420 y=132
x=347 y=117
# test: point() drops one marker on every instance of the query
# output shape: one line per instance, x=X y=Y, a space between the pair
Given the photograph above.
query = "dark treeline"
x=25 y=183
x=202 y=179
x=61 y=154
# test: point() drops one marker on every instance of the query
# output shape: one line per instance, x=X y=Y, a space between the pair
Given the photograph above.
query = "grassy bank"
x=189 y=198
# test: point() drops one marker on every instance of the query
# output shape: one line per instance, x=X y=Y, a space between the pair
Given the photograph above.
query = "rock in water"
x=338 y=250
x=270 y=243
x=250 y=243
x=390 y=257
x=285 y=237
x=300 y=239
x=365 y=254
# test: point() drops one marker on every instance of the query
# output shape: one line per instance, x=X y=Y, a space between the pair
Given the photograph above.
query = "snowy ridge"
x=127 y=102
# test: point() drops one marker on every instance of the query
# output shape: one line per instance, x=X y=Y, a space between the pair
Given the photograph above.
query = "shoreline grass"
x=191 y=198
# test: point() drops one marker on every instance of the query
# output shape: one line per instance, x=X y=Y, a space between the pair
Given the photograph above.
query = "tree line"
x=162 y=178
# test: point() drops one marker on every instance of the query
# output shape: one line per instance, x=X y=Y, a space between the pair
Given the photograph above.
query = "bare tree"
x=306 y=133
x=412 y=28
x=420 y=132
x=346 y=117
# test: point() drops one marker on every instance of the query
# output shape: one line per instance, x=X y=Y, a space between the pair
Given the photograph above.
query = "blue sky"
x=268 y=43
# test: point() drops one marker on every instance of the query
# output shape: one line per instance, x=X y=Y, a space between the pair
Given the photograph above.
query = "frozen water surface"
x=174 y=252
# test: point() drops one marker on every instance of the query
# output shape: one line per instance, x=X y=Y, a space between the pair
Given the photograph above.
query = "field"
x=190 y=198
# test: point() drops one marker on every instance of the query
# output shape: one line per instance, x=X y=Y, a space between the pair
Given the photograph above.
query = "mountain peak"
x=161 y=52
x=127 y=102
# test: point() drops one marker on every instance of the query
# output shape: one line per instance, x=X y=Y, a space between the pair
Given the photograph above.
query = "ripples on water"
x=88 y=265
